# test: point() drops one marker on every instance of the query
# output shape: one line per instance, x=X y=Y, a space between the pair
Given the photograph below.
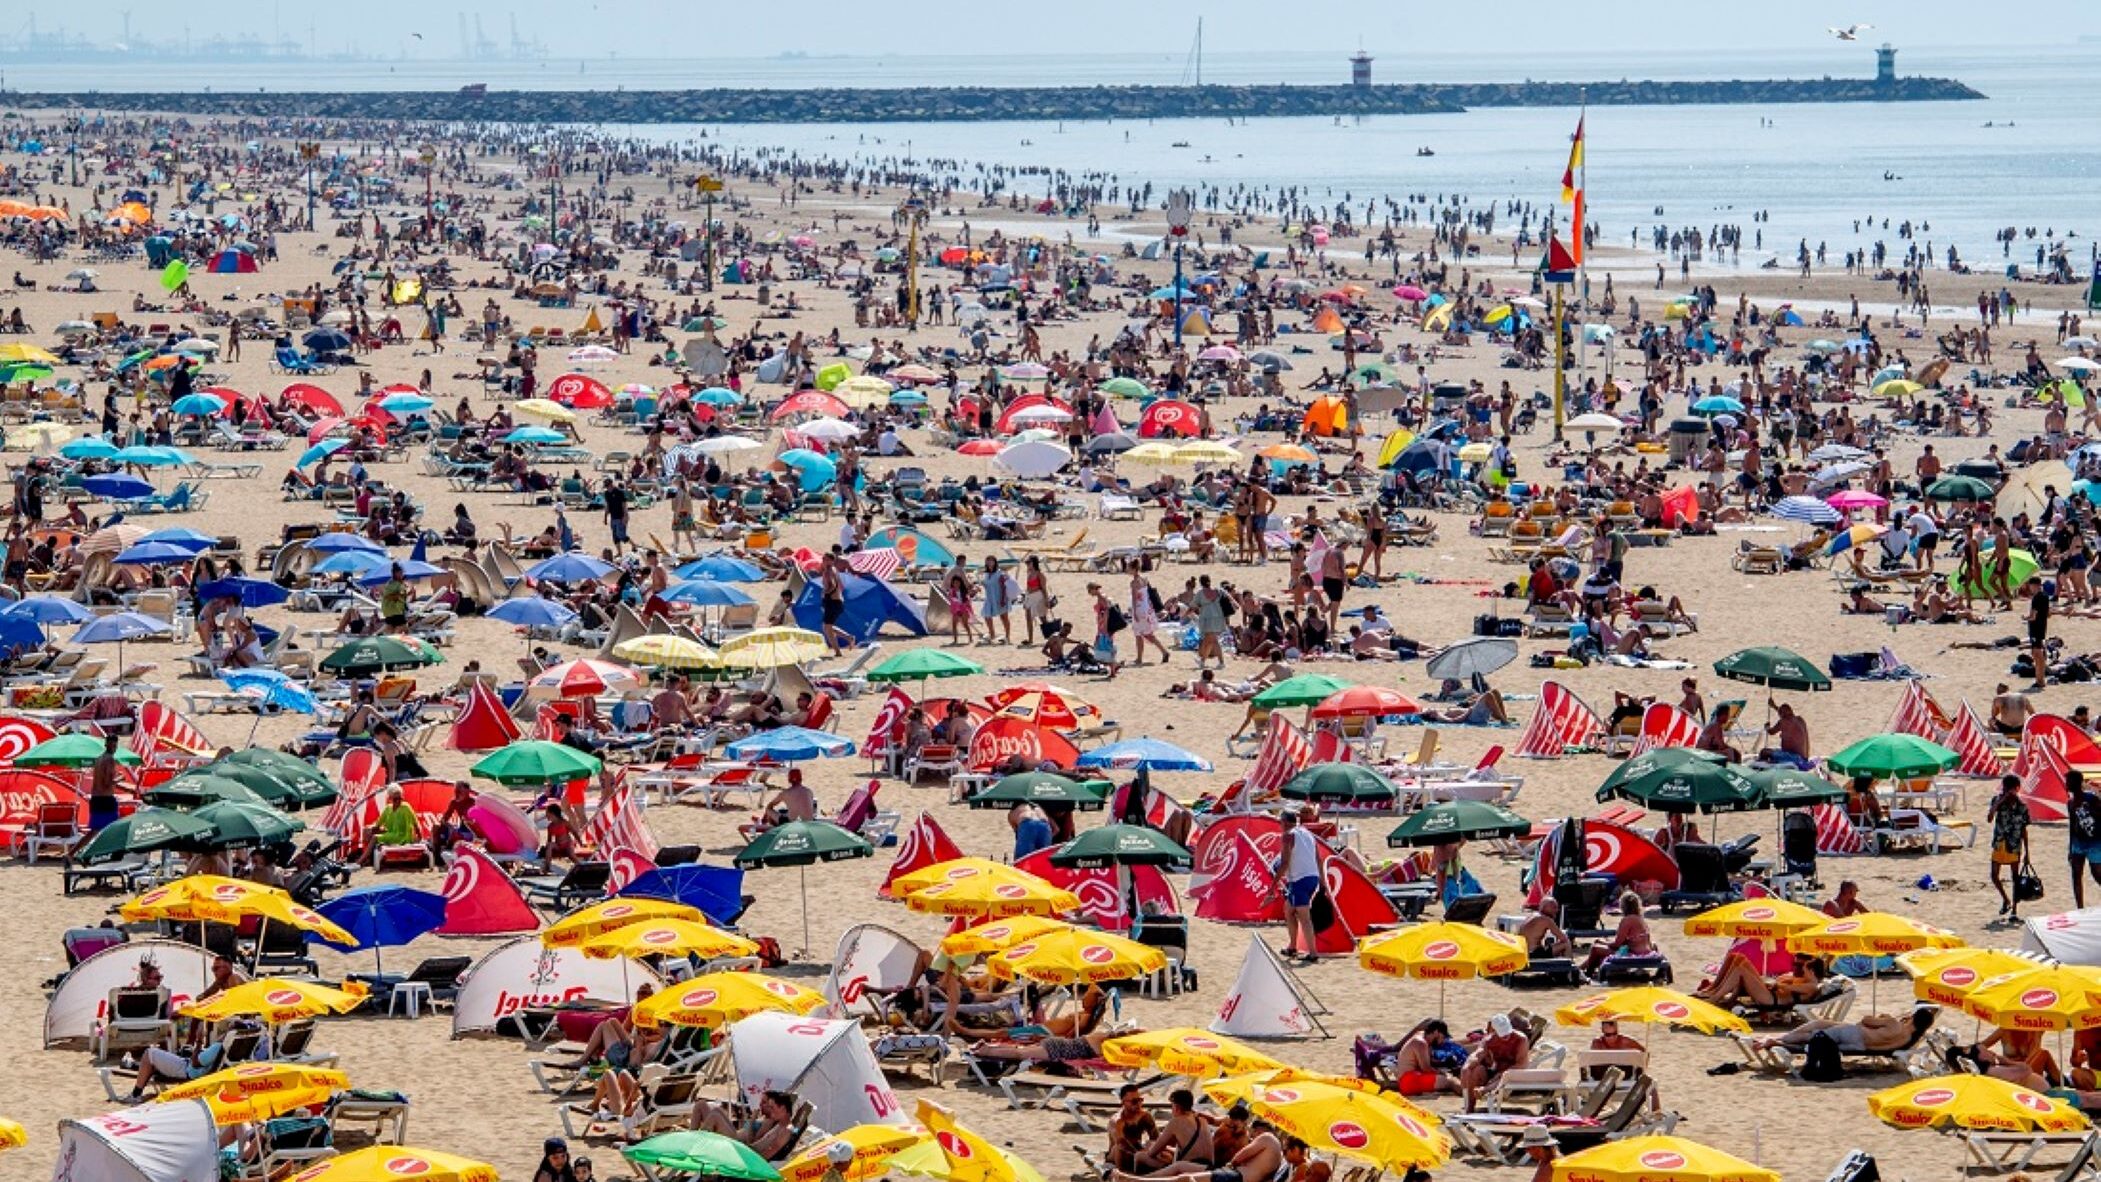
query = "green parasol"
x=798 y=844
x=1789 y=788
x=1043 y=788
x=1455 y=819
x=536 y=761
x=245 y=826
x=1680 y=780
x=279 y=787
x=194 y=790
x=1894 y=757
x=1306 y=689
x=701 y=1153
x=72 y=751
x=376 y=654
x=174 y=275
x=1121 y=845
x=1959 y=488
x=1341 y=783
x=142 y=832
x=1773 y=668
x=920 y=664
x=2020 y=567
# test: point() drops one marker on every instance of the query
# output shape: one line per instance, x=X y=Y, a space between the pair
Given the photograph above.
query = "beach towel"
x=1562 y=722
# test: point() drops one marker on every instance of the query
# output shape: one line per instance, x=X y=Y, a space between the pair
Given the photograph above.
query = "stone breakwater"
x=984 y=104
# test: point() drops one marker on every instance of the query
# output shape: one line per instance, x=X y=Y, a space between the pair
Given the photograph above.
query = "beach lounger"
x=2000 y=1153
x=584 y=882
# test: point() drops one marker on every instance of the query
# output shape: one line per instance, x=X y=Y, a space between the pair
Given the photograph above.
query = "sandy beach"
x=476 y=1097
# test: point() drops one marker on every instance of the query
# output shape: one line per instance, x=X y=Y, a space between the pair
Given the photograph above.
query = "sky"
x=1524 y=29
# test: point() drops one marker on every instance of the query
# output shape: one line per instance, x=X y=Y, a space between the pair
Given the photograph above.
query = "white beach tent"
x=1267 y=1000
x=173 y=1142
x=825 y=1063
x=525 y=974
x=81 y=997
x=870 y=959
x=2073 y=937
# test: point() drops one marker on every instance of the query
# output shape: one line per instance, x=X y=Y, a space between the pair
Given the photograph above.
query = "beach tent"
x=172 y=1142
x=25 y=791
x=1327 y=416
x=78 y=1003
x=870 y=604
x=1169 y=417
x=925 y=844
x=579 y=392
x=1327 y=321
x=1267 y=1000
x=233 y=262
x=2073 y=937
x=870 y=959
x=1241 y=886
x=825 y=1063
x=483 y=724
x=1607 y=849
x=915 y=547
x=481 y=900
x=1196 y=324
x=524 y=973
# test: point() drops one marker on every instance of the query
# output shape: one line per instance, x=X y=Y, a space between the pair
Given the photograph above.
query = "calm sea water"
x=2024 y=157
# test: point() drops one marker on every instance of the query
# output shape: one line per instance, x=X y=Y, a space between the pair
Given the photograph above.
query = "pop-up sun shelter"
x=172 y=1142
x=826 y=1064
x=870 y=604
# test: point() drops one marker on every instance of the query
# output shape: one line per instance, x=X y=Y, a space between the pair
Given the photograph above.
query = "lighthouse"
x=1360 y=70
x=1886 y=64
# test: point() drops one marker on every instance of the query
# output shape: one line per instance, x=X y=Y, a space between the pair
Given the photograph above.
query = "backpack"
x=1226 y=606
x=1821 y=1064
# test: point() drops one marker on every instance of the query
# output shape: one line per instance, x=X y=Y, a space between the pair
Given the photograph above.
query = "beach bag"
x=1117 y=621
x=2027 y=884
x=1822 y=1064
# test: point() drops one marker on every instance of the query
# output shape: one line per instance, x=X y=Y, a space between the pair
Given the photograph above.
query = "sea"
x=1838 y=176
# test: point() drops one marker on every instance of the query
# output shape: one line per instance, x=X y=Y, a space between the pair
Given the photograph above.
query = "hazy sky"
x=711 y=28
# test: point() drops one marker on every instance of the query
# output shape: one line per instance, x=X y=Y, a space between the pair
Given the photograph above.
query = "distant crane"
x=1850 y=32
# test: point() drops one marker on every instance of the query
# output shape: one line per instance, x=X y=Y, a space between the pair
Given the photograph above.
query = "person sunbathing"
x=1860 y=603
x=1541 y=931
x=1259 y=1161
x=1631 y=938
x=1504 y=1049
x=1485 y=710
x=1421 y=1065
x=1875 y=1034
x=1741 y=982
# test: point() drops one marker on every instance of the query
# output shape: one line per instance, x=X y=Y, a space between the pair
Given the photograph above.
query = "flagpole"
x=1582 y=203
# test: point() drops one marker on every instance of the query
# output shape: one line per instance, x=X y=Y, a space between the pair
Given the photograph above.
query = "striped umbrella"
x=1807 y=510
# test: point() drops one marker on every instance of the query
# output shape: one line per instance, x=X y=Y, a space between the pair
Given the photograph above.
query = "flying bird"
x=1850 y=32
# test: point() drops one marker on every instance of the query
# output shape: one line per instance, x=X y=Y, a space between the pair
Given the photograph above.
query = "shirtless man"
x=1541 y=931
x=2011 y=710
x=1793 y=732
x=1415 y=1068
x=793 y=803
x=1259 y=1161
x=1505 y=1049
x=1184 y=1138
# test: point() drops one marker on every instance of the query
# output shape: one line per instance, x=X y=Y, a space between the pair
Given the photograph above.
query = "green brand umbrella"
x=377 y=654
x=536 y=761
x=1120 y=845
x=1679 y=780
x=919 y=664
x=244 y=826
x=194 y=790
x=1304 y=690
x=278 y=786
x=1959 y=488
x=1773 y=668
x=174 y=275
x=798 y=844
x=1894 y=757
x=144 y=831
x=1455 y=819
x=1342 y=783
x=1042 y=788
x=701 y=1153
x=1788 y=788
x=72 y=751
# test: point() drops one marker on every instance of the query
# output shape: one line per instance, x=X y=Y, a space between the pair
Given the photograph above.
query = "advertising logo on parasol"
x=1097 y=954
x=2038 y=999
x=1663 y=1159
x=1932 y=1097
x=1441 y=950
x=1348 y=1134
x=1671 y=1010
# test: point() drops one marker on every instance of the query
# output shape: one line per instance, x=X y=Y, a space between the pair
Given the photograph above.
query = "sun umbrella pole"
x=802 y=874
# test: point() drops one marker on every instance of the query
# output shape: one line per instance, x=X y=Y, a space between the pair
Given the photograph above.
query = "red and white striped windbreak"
x=1835 y=833
x=619 y=824
x=1285 y=753
x=1664 y=725
x=1969 y=739
x=163 y=732
x=1562 y=723
x=1918 y=714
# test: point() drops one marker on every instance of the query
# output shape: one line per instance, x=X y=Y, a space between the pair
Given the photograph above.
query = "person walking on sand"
x=2083 y=833
x=1108 y=621
x=1145 y=614
x=2039 y=633
x=2008 y=815
x=1298 y=880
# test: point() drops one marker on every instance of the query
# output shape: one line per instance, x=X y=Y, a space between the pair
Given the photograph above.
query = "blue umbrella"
x=383 y=570
x=535 y=435
x=48 y=609
x=572 y=567
x=351 y=562
x=326 y=340
x=117 y=486
x=252 y=592
x=790 y=743
x=19 y=631
x=182 y=535
x=813 y=470
x=907 y=398
x=339 y=540
x=326 y=447
x=154 y=554
x=271 y=688
x=706 y=593
x=723 y=568
x=532 y=612
x=385 y=916
x=717 y=890
x=92 y=447
x=199 y=406
x=118 y=627
x=405 y=403
x=1149 y=754
x=718 y=396
x=1718 y=404
x=154 y=457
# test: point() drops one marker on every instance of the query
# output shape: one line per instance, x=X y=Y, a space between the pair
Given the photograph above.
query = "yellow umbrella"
x=1872 y=933
x=2059 y=997
x=1395 y=444
x=1443 y=952
x=666 y=651
x=210 y=898
x=1439 y=318
x=998 y=935
x=1973 y=1102
x=872 y=1147
x=1018 y=894
x=275 y=1000
x=544 y=409
x=666 y=937
x=398 y=1163
x=13 y=1135
x=1652 y=1003
x=714 y=1000
x=259 y=1091
x=928 y=1160
x=1331 y=1118
x=863 y=390
x=966 y=1156
x=1946 y=976
x=1240 y=1087
x=586 y=923
x=1898 y=388
x=26 y=355
x=957 y=870
x=1658 y=1159
x=1074 y=956
x=1155 y=454
x=34 y=435
x=1754 y=919
x=1475 y=453
x=1185 y=1050
x=1205 y=451
x=773 y=648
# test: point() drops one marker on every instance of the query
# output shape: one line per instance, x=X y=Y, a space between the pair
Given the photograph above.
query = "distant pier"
x=948 y=104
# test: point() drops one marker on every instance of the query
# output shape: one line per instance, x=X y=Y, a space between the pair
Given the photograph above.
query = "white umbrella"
x=1033 y=460
x=1594 y=421
x=2078 y=364
x=1832 y=453
x=720 y=445
x=828 y=428
x=198 y=346
x=1844 y=470
x=78 y=273
x=1042 y=414
x=2081 y=342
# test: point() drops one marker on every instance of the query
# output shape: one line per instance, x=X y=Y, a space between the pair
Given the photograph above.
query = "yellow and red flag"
x=1572 y=191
